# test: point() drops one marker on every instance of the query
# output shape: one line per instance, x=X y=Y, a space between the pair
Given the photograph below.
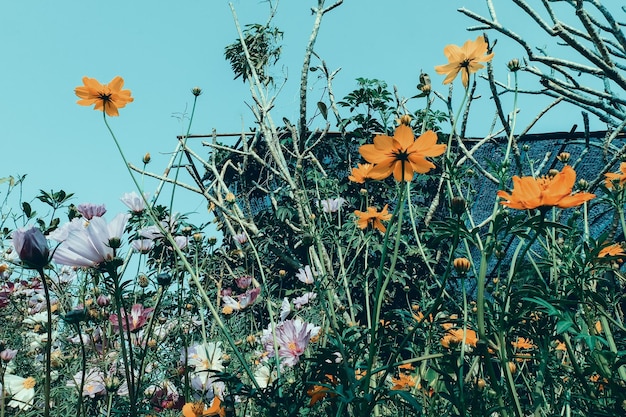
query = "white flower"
x=134 y=201
x=264 y=376
x=332 y=205
x=285 y=309
x=298 y=302
x=205 y=357
x=306 y=275
x=89 y=245
x=21 y=390
x=94 y=383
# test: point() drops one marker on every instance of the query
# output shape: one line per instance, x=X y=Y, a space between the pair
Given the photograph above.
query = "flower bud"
x=461 y=265
x=76 y=316
x=230 y=197
x=514 y=65
x=212 y=240
x=164 y=279
x=563 y=157
x=147 y=158
x=196 y=91
x=103 y=300
x=404 y=120
x=142 y=280
x=457 y=205
x=583 y=184
x=32 y=247
x=553 y=173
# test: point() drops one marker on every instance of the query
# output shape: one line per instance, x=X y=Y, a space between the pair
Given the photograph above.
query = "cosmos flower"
x=550 y=191
x=361 y=173
x=94 y=383
x=522 y=344
x=616 y=249
x=319 y=392
x=332 y=205
x=106 y=97
x=306 y=275
x=142 y=245
x=299 y=302
x=264 y=376
x=31 y=246
x=89 y=210
x=89 y=245
x=403 y=382
x=137 y=318
x=616 y=178
x=21 y=390
x=292 y=337
x=456 y=337
x=372 y=217
x=240 y=301
x=199 y=409
x=402 y=154
x=134 y=201
x=206 y=356
x=466 y=59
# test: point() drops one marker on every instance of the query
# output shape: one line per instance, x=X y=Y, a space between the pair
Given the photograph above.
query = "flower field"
x=349 y=263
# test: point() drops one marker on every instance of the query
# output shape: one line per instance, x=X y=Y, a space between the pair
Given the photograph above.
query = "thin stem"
x=48 y=343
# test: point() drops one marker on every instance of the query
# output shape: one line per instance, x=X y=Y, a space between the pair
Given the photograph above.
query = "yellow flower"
x=372 y=217
x=106 y=97
x=401 y=154
x=361 y=173
x=551 y=191
x=616 y=178
x=466 y=59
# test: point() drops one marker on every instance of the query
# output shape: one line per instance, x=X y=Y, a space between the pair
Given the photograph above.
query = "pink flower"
x=292 y=337
x=242 y=300
x=136 y=320
x=89 y=210
x=31 y=246
x=91 y=244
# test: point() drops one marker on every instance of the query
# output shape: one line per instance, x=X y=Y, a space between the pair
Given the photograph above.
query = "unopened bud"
x=583 y=184
x=147 y=158
x=514 y=65
x=461 y=265
x=457 y=205
x=142 y=280
x=196 y=91
x=564 y=157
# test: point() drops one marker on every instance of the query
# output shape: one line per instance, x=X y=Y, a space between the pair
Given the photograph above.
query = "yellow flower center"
x=292 y=346
x=29 y=383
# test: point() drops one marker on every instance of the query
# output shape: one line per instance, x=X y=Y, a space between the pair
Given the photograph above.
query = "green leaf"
x=323 y=109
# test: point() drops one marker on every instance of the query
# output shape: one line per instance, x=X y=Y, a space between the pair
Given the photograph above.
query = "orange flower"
x=401 y=154
x=361 y=173
x=455 y=337
x=466 y=59
x=403 y=382
x=612 y=178
x=198 y=409
x=372 y=217
x=522 y=343
x=108 y=97
x=319 y=392
x=551 y=191
x=615 y=249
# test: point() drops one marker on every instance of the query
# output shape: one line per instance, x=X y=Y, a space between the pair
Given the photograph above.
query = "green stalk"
x=48 y=350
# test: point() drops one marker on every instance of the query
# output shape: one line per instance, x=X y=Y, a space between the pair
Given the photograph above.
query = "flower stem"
x=48 y=344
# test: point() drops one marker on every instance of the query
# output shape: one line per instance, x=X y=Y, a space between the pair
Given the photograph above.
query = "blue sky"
x=162 y=49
